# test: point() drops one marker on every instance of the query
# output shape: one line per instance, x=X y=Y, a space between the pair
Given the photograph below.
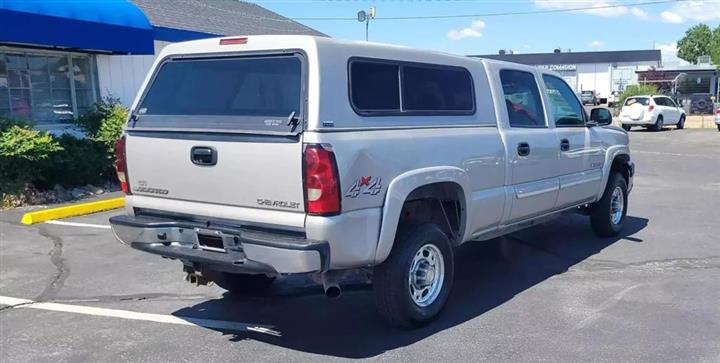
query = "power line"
x=529 y=12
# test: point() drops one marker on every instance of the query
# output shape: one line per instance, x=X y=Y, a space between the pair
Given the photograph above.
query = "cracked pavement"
x=553 y=292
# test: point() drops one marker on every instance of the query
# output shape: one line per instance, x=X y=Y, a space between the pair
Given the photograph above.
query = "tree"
x=715 y=46
x=697 y=41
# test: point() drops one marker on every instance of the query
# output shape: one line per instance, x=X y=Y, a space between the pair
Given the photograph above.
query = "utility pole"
x=364 y=17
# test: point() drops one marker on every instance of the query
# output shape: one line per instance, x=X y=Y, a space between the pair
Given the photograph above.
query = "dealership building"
x=59 y=57
x=602 y=72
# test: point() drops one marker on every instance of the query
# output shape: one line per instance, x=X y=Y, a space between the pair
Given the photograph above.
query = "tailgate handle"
x=203 y=155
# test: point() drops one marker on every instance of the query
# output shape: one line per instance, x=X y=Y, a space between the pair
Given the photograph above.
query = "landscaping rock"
x=78 y=192
x=93 y=189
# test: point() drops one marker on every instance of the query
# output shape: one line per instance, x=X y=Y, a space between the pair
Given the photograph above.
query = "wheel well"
x=619 y=164
x=439 y=203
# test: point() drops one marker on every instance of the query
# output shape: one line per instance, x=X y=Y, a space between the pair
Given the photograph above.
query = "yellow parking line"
x=72 y=210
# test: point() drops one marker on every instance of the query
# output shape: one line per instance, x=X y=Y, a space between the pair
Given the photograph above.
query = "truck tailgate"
x=249 y=171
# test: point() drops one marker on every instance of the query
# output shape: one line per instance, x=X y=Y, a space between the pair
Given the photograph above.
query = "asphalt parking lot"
x=551 y=293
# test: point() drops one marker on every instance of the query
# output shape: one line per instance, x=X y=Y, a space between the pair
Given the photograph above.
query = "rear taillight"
x=651 y=107
x=121 y=165
x=322 y=187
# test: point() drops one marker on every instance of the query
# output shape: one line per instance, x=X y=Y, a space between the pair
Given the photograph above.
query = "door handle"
x=523 y=149
x=564 y=145
x=203 y=155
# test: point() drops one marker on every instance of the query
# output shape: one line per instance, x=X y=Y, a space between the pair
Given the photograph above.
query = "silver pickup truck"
x=249 y=158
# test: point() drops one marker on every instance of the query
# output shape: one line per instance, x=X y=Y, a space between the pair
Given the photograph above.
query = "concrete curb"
x=73 y=210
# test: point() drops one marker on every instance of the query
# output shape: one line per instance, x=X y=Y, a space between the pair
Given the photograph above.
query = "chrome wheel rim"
x=426 y=275
x=617 y=205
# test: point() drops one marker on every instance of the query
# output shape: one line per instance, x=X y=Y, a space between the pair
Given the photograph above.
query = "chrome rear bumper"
x=236 y=249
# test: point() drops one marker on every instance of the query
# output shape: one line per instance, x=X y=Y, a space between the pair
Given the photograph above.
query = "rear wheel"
x=607 y=215
x=718 y=127
x=681 y=123
x=658 y=123
x=412 y=285
x=626 y=127
x=239 y=284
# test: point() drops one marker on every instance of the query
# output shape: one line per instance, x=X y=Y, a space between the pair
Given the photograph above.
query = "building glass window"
x=46 y=88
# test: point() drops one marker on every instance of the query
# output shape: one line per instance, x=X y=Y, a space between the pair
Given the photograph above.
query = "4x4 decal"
x=365 y=185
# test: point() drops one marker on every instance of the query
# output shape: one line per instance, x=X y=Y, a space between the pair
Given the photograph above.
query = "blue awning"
x=114 y=26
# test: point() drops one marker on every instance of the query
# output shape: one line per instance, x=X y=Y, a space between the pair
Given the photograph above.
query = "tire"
x=240 y=284
x=658 y=124
x=604 y=222
x=718 y=127
x=626 y=127
x=681 y=123
x=392 y=280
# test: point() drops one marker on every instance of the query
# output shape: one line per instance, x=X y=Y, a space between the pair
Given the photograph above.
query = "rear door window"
x=522 y=99
x=248 y=93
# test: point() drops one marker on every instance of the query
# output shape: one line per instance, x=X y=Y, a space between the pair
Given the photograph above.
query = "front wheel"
x=608 y=214
x=412 y=285
x=626 y=127
x=681 y=123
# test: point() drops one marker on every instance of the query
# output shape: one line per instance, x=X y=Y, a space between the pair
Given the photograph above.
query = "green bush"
x=103 y=123
x=80 y=162
x=31 y=156
x=22 y=152
x=636 y=90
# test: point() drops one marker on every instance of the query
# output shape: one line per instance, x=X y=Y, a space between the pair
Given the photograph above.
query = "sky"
x=631 y=25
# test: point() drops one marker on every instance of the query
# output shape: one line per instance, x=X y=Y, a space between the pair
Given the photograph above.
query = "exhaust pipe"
x=329 y=281
x=332 y=291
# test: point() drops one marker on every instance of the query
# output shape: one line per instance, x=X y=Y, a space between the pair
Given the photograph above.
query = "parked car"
x=717 y=115
x=651 y=112
x=613 y=98
x=589 y=98
x=249 y=158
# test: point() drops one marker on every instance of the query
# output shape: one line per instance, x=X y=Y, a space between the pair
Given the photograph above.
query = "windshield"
x=639 y=100
x=227 y=93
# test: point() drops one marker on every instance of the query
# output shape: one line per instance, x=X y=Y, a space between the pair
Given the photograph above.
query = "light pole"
x=364 y=17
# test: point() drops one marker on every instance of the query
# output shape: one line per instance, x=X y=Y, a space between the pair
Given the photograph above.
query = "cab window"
x=522 y=99
x=564 y=106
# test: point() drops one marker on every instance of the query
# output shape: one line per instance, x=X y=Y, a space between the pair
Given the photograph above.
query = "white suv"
x=651 y=111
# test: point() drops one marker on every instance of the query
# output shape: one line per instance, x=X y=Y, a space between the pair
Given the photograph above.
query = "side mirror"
x=600 y=117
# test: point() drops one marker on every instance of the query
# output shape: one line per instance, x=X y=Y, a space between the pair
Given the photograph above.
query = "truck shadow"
x=488 y=274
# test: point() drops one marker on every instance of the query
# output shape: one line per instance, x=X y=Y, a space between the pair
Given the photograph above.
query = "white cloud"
x=671 y=17
x=669 y=52
x=473 y=31
x=693 y=10
x=596 y=44
x=640 y=13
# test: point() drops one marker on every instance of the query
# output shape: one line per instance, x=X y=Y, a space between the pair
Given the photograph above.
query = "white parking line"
x=16 y=303
x=74 y=224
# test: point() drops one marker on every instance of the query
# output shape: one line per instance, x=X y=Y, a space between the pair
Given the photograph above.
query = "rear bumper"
x=245 y=250
x=630 y=121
